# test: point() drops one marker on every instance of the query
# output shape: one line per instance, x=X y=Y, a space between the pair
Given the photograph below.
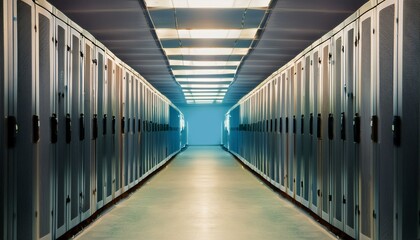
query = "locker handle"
x=114 y=122
x=281 y=125
x=319 y=192
x=139 y=125
x=35 y=128
x=374 y=128
x=356 y=128
x=331 y=126
x=287 y=124
x=68 y=128
x=12 y=129
x=123 y=125
x=343 y=126
x=311 y=124
x=104 y=123
x=396 y=130
x=271 y=125
x=318 y=126
x=294 y=124
x=302 y=124
x=95 y=126
x=82 y=127
x=54 y=128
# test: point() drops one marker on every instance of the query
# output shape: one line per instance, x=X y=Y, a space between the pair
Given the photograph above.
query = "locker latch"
x=318 y=126
x=319 y=192
x=343 y=126
x=287 y=124
x=396 y=130
x=330 y=126
x=54 y=128
x=68 y=199
x=104 y=123
x=95 y=61
x=294 y=124
x=311 y=124
x=356 y=128
x=35 y=128
x=12 y=130
x=330 y=198
x=374 y=214
x=374 y=128
x=113 y=125
x=301 y=184
x=82 y=127
x=344 y=199
x=95 y=126
x=302 y=124
x=68 y=128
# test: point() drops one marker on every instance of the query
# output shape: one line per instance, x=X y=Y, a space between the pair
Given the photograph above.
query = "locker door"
x=87 y=119
x=289 y=132
x=130 y=131
x=126 y=134
x=118 y=163
x=348 y=97
x=63 y=92
x=76 y=87
x=110 y=130
x=3 y=96
x=324 y=153
x=306 y=110
x=297 y=129
x=102 y=119
x=313 y=127
x=334 y=131
x=283 y=143
x=275 y=146
x=386 y=42
x=365 y=103
x=45 y=78
x=134 y=131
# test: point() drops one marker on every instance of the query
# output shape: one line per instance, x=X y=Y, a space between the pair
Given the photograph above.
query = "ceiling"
x=128 y=29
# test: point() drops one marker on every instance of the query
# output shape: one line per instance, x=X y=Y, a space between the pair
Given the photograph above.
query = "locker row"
x=337 y=128
x=79 y=126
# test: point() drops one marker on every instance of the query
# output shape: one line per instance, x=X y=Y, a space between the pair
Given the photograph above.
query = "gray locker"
x=3 y=158
x=297 y=129
x=118 y=161
x=283 y=139
x=290 y=138
x=110 y=135
x=306 y=111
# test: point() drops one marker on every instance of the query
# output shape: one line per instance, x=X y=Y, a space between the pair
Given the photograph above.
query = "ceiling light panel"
x=207 y=4
x=204 y=97
x=203 y=80
x=203 y=63
x=203 y=90
x=170 y=33
x=204 y=85
x=206 y=51
x=204 y=72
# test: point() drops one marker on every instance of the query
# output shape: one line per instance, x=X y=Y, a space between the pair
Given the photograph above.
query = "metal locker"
x=283 y=145
x=3 y=94
x=346 y=120
x=297 y=129
x=135 y=132
x=324 y=154
x=306 y=112
x=88 y=188
x=118 y=138
x=381 y=127
x=138 y=130
x=125 y=127
x=272 y=140
x=290 y=143
x=143 y=130
x=45 y=78
x=335 y=128
x=73 y=127
x=366 y=103
x=406 y=121
x=109 y=124
x=24 y=106
x=276 y=149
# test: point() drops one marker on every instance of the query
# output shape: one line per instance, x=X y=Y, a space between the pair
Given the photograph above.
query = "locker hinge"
x=374 y=214
x=329 y=56
x=311 y=62
x=81 y=195
x=319 y=192
x=330 y=198
x=344 y=199
x=396 y=20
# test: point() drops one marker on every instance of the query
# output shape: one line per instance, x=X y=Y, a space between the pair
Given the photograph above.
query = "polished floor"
x=204 y=193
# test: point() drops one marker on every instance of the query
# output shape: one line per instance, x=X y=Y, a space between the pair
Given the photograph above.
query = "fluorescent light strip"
x=171 y=33
x=204 y=72
x=203 y=63
x=206 y=51
x=205 y=94
x=204 y=98
x=204 y=85
x=203 y=80
x=207 y=4
x=203 y=90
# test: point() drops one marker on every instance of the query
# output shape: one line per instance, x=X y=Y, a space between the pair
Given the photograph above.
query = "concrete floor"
x=204 y=193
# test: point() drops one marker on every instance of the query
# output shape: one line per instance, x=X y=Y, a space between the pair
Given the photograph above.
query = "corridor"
x=204 y=193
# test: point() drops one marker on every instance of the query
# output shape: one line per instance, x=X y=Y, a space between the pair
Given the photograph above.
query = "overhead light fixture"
x=205 y=94
x=204 y=72
x=203 y=63
x=203 y=90
x=204 y=85
x=203 y=80
x=171 y=33
x=205 y=51
x=204 y=97
x=207 y=4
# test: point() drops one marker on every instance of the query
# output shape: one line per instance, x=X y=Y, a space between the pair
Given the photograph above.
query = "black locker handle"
x=54 y=128
x=82 y=127
x=302 y=124
x=68 y=128
x=271 y=125
x=95 y=126
x=139 y=125
x=396 y=130
x=374 y=128
x=330 y=126
x=35 y=128
x=294 y=124
x=12 y=129
x=281 y=125
x=266 y=125
x=113 y=125
x=318 y=126
x=311 y=124
x=356 y=128
x=343 y=126
x=123 y=125
x=287 y=125
x=104 y=123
